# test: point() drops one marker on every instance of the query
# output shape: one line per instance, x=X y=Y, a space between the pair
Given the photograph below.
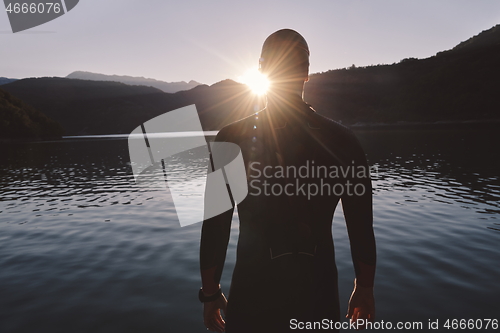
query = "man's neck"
x=279 y=95
x=285 y=105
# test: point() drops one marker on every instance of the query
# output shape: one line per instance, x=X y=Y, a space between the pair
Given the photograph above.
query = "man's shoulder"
x=331 y=127
x=237 y=130
x=336 y=136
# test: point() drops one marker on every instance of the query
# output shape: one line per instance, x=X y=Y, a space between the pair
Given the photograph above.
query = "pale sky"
x=209 y=41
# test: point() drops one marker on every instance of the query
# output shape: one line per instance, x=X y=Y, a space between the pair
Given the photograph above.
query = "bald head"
x=285 y=56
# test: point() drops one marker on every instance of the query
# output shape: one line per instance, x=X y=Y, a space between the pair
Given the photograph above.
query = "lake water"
x=84 y=249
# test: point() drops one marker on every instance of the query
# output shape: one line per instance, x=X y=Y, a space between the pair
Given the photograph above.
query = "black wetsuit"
x=285 y=267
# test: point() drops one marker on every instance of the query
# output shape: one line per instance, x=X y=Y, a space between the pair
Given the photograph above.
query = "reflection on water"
x=86 y=249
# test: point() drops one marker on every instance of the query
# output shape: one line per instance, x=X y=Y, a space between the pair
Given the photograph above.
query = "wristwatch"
x=211 y=298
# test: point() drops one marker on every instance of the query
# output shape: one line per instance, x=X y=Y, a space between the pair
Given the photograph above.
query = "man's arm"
x=214 y=239
x=359 y=219
x=358 y=214
x=215 y=234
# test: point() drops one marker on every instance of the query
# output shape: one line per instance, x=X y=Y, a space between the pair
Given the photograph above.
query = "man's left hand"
x=361 y=305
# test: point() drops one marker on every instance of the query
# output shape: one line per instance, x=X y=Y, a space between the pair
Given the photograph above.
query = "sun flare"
x=255 y=80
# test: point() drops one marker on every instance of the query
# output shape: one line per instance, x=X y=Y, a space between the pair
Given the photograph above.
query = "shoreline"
x=438 y=125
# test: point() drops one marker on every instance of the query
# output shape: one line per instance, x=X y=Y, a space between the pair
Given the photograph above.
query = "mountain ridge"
x=169 y=87
x=454 y=86
x=485 y=38
x=5 y=80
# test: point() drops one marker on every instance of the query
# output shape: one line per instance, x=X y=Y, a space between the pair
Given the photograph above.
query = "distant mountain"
x=169 y=87
x=4 y=80
x=21 y=121
x=96 y=107
x=453 y=86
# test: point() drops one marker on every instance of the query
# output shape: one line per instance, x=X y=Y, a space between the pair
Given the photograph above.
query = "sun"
x=255 y=80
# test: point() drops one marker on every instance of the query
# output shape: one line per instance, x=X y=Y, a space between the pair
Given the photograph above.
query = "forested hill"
x=456 y=85
x=486 y=39
x=97 y=107
x=21 y=121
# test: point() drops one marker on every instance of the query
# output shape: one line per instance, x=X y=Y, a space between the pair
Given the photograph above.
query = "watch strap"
x=210 y=298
